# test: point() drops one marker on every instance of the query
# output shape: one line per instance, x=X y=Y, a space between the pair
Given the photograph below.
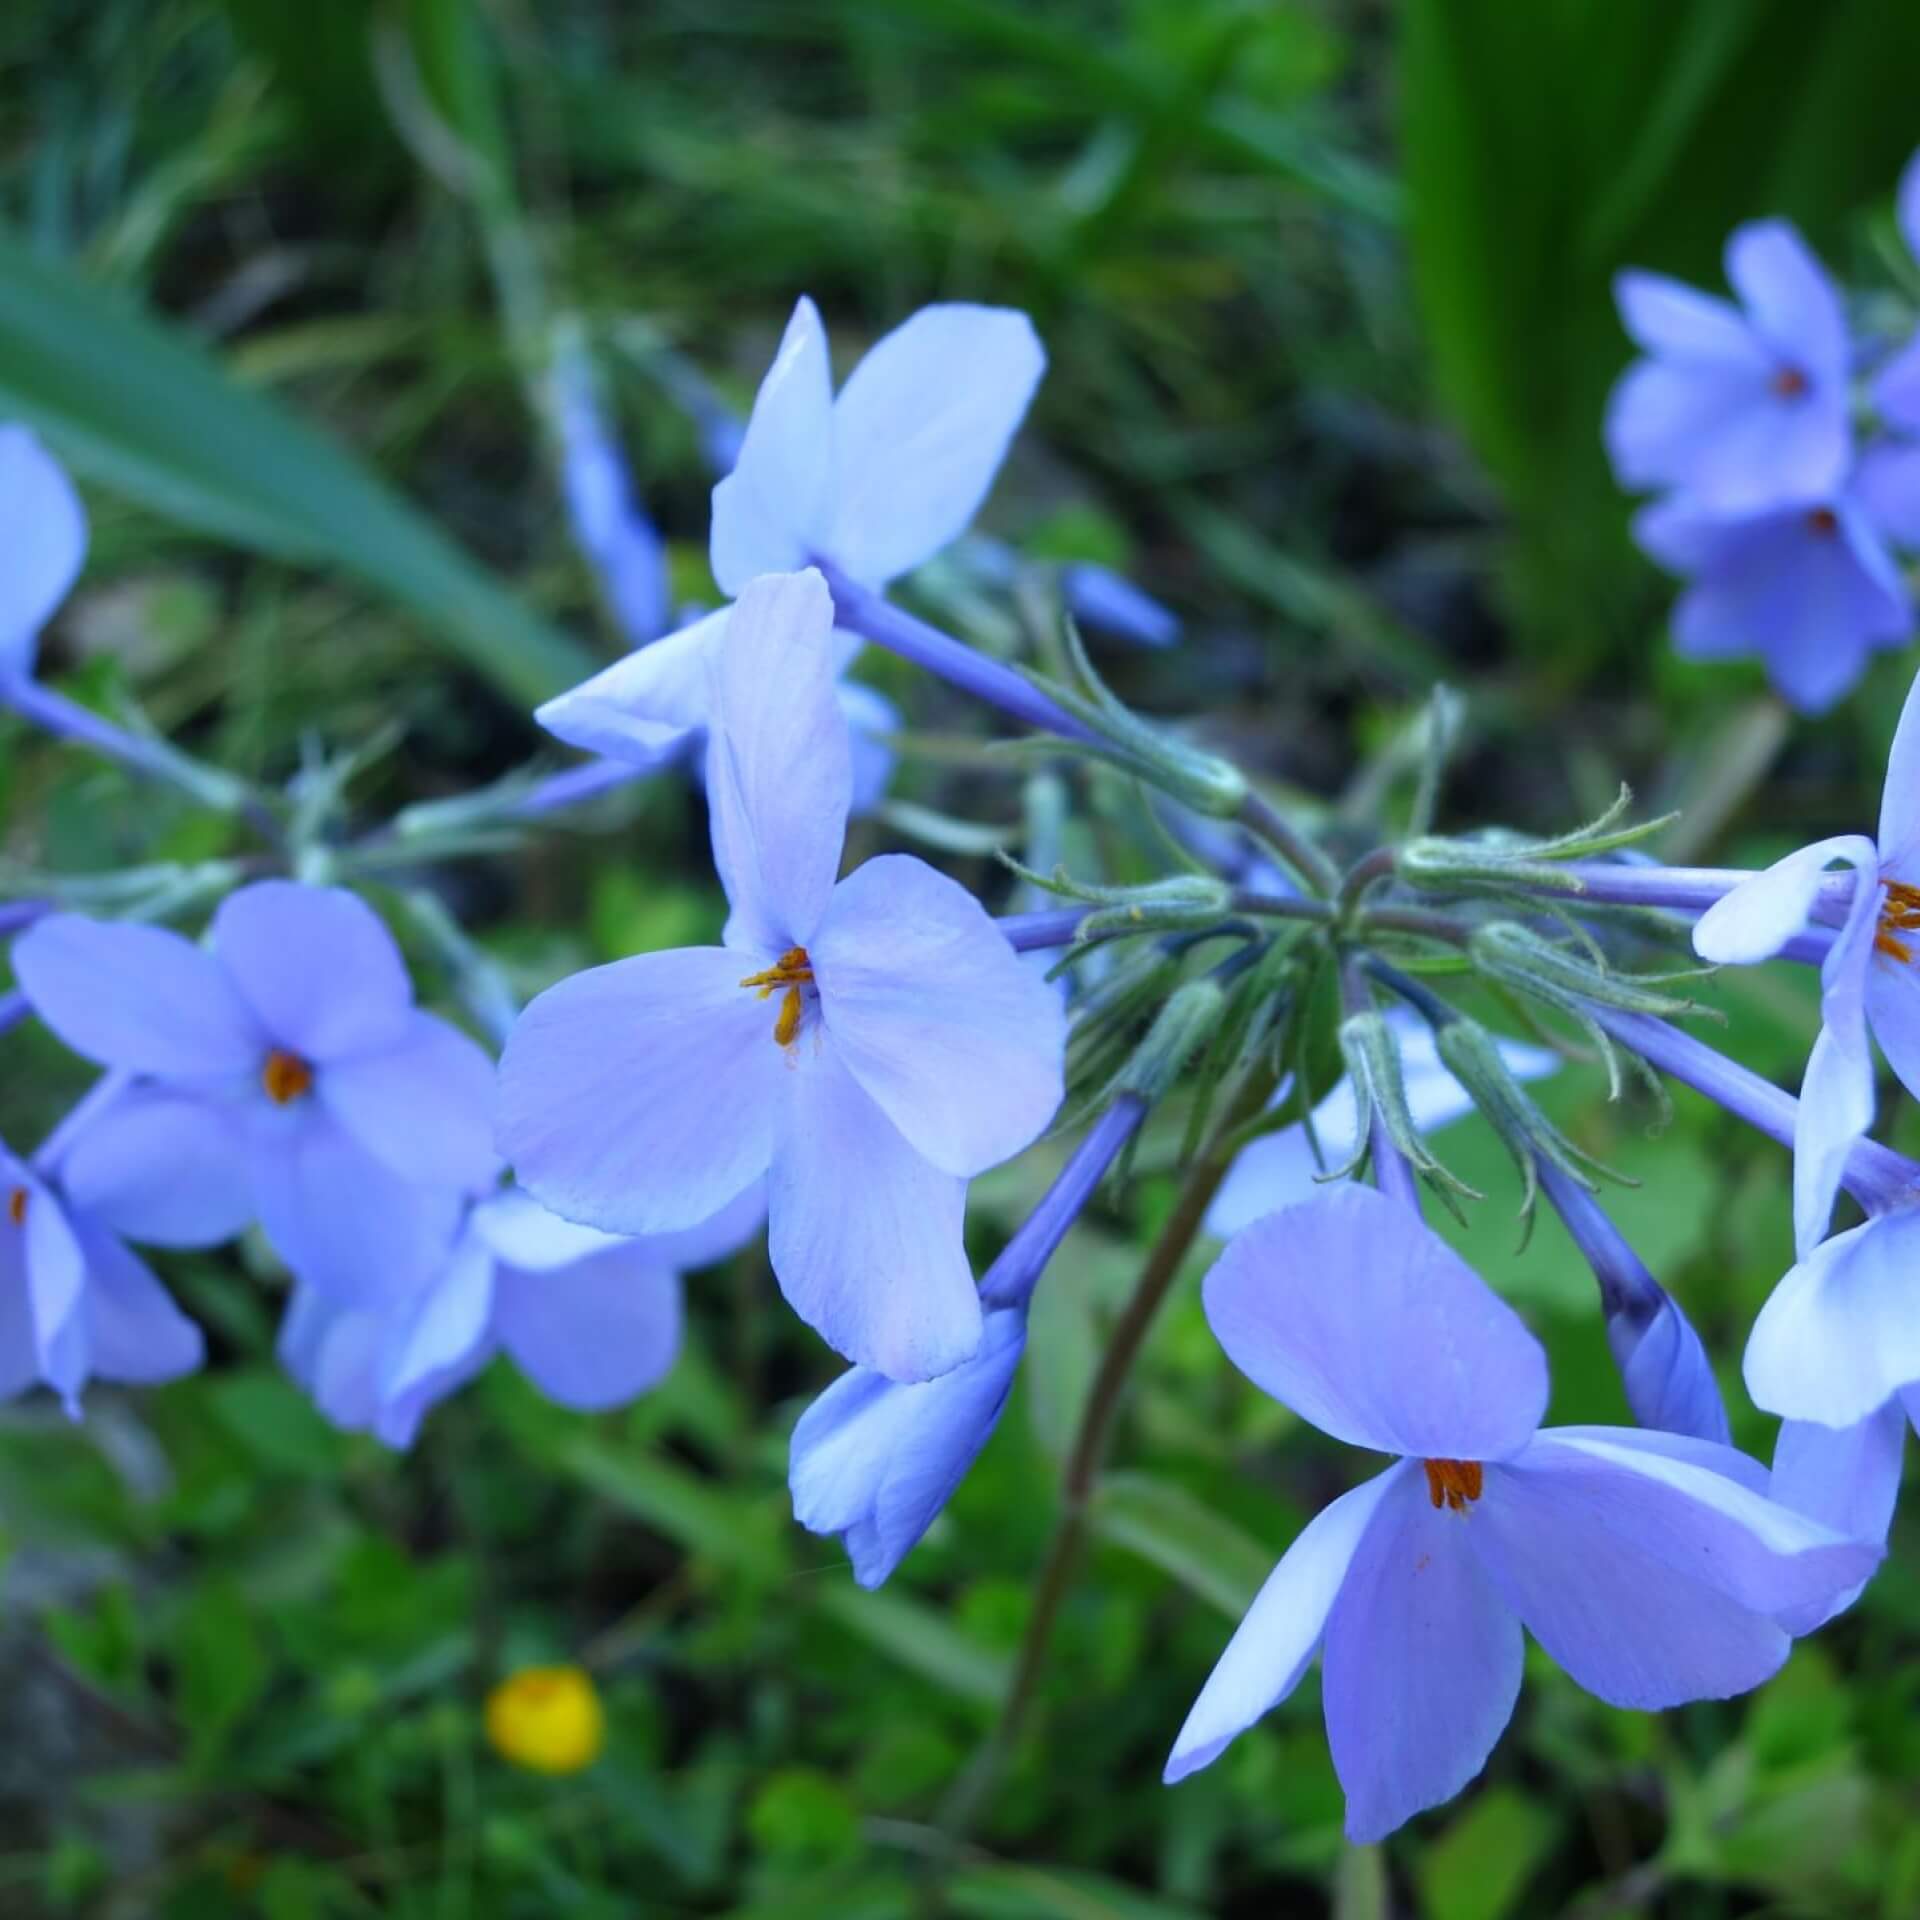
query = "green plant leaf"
x=1206 y=1552
x=138 y=407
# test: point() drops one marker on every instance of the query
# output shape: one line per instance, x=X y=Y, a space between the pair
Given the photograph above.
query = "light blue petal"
x=772 y=511
x=1354 y=1314
x=162 y=1167
x=1839 y=1335
x=595 y=1333
x=135 y=1332
x=876 y=1461
x=1847 y=1478
x=920 y=430
x=1275 y=1643
x=647 y=707
x=317 y=965
x=423 y=1103
x=137 y=997
x=640 y=1097
x=962 y=1046
x=1760 y=915
x=46 y=541
x=1421 y=1666
x=877 y=1264
x=779 y=767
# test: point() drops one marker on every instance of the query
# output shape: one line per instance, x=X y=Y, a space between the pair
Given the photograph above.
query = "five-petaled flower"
x=1745 y=408
x=1652 y=1567
x=871 y=1044
x=1867 y=980
x=876 y=480
x=306 y=1087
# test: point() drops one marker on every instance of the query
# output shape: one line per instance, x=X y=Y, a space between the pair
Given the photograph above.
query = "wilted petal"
x=640 y=1097
x=644 y=708
x=962 y=1046
x=876 y=1264
x=1421 y=1666
x=595 y=1333
x=423 y=1104
x=770 y=512
x=135 y=1333
x=1847 y=1478
x=1350 y=1311
x=779 y=768
x=162 y=1167
x=137 y=997
x=318 y=966
x=1840 y=1335
x=920 y=430
x=340 y=1218
x=1758 y=918
x=875 y=1461
x=1275 y=1643
x=46 y=541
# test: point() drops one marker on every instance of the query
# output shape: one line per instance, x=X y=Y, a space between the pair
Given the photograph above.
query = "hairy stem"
x=1313 y=867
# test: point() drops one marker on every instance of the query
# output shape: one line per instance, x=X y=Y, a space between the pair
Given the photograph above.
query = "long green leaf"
x=137 y=406
x=1206 y=1552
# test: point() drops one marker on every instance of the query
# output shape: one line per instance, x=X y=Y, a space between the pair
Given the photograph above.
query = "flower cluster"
x=860 y=1046
x=1780 y=508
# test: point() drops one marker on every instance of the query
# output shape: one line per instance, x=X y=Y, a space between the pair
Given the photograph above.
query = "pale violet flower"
x=875 y=480
x=1651 y=1567
x=1742 y=408
x=1847 y=1478
x=1867 y=980
x=592 y=1319
x=879 y=1023
x=345 y=1117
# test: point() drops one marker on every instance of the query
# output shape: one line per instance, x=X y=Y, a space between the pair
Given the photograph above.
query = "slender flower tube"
x=1651 y=1567
x=876 y=1461
x=1034 y=932
x=905 y=1036
x=1663 y=1366
x=1685 y=889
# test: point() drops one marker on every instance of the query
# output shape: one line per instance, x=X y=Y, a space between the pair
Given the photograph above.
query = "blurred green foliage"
x=245 y=1655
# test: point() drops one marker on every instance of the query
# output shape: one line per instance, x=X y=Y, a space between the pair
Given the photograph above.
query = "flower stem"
x=1314 y=868
x=1088 y=1451
x=859 y=610
x=1875 y=1175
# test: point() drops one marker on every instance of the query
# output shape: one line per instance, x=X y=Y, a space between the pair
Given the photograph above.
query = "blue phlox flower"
x=592 y=1319
x=876 y=481
x=1744 y=408
x=1810 y=589
x=76 y=1303
x=1867 y=982
x=1651 y=1567
x=879 y=1023
x=1279 y=1169
x=349 y=1121
x=46 y=543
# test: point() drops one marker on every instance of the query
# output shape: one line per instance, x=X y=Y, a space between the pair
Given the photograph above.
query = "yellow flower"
x=547 y=1719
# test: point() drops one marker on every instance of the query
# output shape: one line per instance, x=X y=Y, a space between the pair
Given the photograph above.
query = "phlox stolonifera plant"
x=1291 y=1011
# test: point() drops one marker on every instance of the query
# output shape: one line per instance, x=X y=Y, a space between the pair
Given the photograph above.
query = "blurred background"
x=1325 y=288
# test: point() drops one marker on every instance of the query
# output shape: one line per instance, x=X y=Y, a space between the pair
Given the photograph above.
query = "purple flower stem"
x=576 y=784
x=1033 y=932
x=1693 y=890
x=858 y=609
x=1011 y=1279
x=1876 y=1176
x=1626 y=1287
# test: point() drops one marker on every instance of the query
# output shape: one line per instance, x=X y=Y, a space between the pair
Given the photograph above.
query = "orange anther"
x=792 y=971
x=285 y=1076
x=17 y=1206
x=1900 y=915
x=1789 y=383
x=1454 y=1483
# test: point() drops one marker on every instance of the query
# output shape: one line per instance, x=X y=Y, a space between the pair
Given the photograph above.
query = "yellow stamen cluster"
x=285 y=1076
x=792 y=971
x=1454 y=1483
x=547 y=1719
x=1901 y=915
x=17 y=1206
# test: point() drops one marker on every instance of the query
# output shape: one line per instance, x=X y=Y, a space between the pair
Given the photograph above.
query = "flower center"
x=792 y=971
x=1824 y=521
x=1789 y=383
x=1453 y=1483
x=17 y=1206
x=1900 y=915
x=285 y=1076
